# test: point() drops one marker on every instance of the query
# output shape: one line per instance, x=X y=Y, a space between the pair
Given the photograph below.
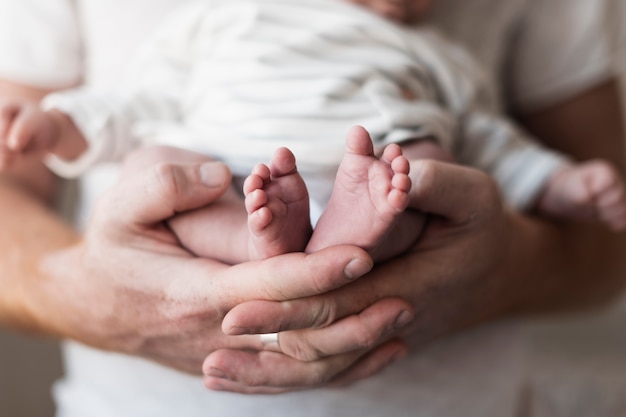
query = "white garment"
x=479 y=373
x=237 y=79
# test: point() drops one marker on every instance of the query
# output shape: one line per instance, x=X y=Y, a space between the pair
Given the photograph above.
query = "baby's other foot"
x=368 y=196
x=591 y=190
x=277 y=203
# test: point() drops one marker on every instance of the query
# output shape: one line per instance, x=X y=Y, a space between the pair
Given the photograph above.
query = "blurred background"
x=28 y=367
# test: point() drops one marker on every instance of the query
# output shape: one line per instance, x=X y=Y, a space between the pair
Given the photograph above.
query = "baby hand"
x=590 y=190
x=25 y=129
x=403 y=11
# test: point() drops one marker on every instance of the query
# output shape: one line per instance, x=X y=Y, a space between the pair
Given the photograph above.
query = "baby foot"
x=368 y=196
x=589 y=191
x=277 y=203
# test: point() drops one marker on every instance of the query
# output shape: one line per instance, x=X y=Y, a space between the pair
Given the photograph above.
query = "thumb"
x=451 y=191
x=158 y=193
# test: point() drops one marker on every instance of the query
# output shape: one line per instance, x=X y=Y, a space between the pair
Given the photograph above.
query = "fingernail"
x=213 y=174
x=403 y=319
x=356 y=268
x=216 y=373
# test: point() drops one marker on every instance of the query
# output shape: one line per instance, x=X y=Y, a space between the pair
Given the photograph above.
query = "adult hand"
x=129 y=287
x=451 y=279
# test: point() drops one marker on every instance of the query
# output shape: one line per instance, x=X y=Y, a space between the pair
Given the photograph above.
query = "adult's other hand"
x=451 y=279
x=129 y=287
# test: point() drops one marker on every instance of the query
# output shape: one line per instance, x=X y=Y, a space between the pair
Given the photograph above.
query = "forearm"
x=575 y=263
x=541 y=268
x=543 y=265
x=483 y=263
x=28 y=228
x=554 y=266
x=30 y=231
x=544 y=269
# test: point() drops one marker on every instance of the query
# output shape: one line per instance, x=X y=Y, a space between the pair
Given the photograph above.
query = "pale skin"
x=542 y=266
x=276 y=197
x=36 y=276
x=522 y=279
x=534 y=250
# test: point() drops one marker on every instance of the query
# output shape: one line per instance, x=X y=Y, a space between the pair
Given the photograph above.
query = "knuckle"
x=168 y=178
x=320 y=374
x=302 y=350
x=269 y=287
x=425 y=174
x=320 y=278
x=321 y=275
x=324 y=313
x=367 y=337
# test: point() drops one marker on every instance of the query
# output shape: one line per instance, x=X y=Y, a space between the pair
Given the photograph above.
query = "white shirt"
x=479 y=373
x=237 y=79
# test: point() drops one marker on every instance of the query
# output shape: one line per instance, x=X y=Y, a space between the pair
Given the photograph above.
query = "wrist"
x=23 y=303
x=561 y=266
x=52 y=296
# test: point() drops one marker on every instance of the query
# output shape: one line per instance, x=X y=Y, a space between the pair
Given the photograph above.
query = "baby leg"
x=277 y=202
x=367 y=204
x=216 y=231
x=591 y=190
